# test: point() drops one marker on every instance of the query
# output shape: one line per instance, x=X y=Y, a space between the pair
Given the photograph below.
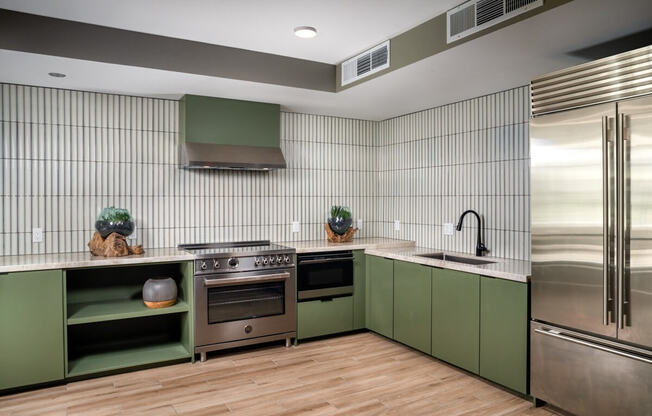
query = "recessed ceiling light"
x=57 y=74
x=305 y=32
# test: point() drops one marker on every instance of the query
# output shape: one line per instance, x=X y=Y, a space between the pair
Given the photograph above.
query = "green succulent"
x=338 y=211
x=113 y=214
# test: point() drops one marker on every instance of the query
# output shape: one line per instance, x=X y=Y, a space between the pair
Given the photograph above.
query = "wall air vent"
x=475 y=15
x=368 y=62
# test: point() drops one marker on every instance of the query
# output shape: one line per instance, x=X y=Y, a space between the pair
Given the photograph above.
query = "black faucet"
x=479 y=247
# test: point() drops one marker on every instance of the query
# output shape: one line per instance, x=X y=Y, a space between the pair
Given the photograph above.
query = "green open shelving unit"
x=109 y=328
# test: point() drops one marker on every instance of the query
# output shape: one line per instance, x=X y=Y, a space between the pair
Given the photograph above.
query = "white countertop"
x=516 y=270
x=312 y=246
x=22 y=263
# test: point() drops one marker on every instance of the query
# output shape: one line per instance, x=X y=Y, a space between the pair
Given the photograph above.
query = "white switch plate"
x=37 y=235
x=397 y=225
x=296 y=227
x=359 y=224
x=448 y=229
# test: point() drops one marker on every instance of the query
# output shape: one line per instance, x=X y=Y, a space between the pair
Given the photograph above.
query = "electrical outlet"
x=133 y=235
x=296 y=227
x=448 y=229
x=37 y=235
x=359 y=224
x=397 y=225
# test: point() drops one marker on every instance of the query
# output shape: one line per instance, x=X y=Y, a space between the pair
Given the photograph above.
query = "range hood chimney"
x=218 y=133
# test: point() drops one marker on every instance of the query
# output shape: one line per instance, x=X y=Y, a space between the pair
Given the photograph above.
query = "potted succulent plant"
x=340 y=219
x=114 y=220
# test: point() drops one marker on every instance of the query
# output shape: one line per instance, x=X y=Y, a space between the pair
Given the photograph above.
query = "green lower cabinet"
x=456 y=318
x=412 y=305
x=503 y=332
x=380 y=295
x=324 y=317
x=31 y=328
x=359 y=289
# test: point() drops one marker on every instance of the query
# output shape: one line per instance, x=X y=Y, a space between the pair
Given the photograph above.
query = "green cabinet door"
x=324 y=317
x=31 y=328
x=380 y=295
x=412 y=305
x=503 y=332
x=456 y=318
x=359 y=277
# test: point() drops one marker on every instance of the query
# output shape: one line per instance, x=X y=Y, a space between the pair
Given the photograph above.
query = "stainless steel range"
x=245 y=293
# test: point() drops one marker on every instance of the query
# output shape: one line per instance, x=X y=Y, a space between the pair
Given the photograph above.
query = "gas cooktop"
x=238 y=248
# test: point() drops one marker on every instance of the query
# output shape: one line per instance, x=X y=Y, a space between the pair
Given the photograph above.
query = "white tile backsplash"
x=64 y=155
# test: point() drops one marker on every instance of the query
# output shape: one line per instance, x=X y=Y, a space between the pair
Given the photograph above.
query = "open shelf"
x=109 y=328
x=116 y=359
x=87 y=312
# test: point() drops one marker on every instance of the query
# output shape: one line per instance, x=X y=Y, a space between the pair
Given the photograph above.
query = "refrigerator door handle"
x=557 y=334
x=606 y=219
x=623 y=196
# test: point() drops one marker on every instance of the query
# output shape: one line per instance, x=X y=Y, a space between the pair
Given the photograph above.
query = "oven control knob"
x=216 y=264
x=257 y=261
x=233 y=262
x=279 y=259
x=272 y=259
x=287 y=259
x=265 y=261
x=248 y=329
x=203 y=265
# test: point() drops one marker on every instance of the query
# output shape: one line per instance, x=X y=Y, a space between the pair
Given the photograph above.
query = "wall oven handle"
x=592 y=345
x=317 y=261
x=230 y=281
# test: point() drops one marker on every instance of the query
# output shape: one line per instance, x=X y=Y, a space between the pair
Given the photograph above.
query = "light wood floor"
x=360 y=374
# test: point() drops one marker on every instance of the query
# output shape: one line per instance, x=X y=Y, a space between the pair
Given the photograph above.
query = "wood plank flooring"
x=360 y=374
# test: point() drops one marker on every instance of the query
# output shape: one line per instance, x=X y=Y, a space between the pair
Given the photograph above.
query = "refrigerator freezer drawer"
x=581 y=376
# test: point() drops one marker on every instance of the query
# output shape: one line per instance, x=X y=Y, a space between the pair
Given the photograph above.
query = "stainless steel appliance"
x=591 y=212
x=245 y=293
x=325 y=275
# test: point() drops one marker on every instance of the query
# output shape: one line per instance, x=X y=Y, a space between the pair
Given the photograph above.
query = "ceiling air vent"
x=475 y=15
x=366 y=63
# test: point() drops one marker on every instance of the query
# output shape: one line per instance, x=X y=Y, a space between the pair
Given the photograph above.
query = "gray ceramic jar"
x=160 y=292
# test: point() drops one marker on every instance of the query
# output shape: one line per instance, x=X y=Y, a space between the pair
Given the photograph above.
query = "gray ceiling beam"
x=58 y=37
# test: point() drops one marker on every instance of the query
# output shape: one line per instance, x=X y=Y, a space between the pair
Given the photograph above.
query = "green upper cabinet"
x=412 y=305
x=230 y=122
x=359 y=289
x=31 y=328
x=380 y=295
x=503 y=332
x=456 y=318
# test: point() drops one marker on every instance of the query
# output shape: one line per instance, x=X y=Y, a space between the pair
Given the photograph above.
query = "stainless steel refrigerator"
x=591 y=216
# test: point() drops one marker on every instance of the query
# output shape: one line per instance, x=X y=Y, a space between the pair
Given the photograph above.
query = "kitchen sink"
x=457 y=259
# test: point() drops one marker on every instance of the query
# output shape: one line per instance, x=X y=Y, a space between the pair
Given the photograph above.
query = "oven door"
x=325 y=275
x=232 y=307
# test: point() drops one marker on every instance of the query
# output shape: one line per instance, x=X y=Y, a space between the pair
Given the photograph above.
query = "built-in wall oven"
x=324 y=275
x=244 y=295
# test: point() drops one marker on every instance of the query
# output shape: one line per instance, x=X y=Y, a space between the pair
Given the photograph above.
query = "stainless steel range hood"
x=224 y=156
x=218 y=133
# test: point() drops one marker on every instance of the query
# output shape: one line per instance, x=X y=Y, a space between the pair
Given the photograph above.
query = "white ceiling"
x=503 y=59
x=345 y=27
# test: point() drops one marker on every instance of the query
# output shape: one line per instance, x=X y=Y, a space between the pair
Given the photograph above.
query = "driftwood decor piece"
x=114 y=245
x=347 y=237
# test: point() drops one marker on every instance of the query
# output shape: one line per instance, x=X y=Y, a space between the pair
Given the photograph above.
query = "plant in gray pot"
x=114 y=220
x=340 y=219
x=160 y=292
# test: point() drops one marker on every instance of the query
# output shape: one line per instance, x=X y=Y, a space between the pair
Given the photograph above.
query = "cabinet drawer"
x=323 y=317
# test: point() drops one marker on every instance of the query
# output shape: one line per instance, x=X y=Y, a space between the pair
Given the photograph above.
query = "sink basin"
x=457 y=259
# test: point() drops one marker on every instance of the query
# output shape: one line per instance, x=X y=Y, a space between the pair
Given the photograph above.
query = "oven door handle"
x=231 y=281
x=317 y=261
